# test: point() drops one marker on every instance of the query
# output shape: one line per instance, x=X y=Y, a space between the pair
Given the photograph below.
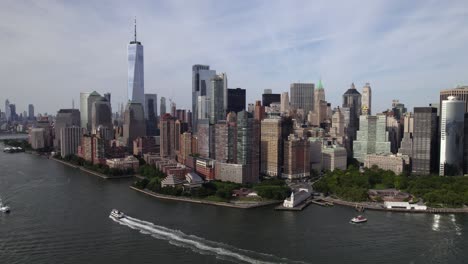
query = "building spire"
x=135 y=30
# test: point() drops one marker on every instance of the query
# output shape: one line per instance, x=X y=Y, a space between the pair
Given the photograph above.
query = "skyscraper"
x=65 y=118
x=352 y=101
x=101 y=115
x=372 y=137
x=235 y=100
x=201 y=86
x=248 y=145
x=398 y=109
x=151 y=106
x=302 y=97
x=30 y=112
x=162 y=106
x=92 y=98
x=284 y=102
x=203 y=107
x=151 y=113
x=367 y=99
x=226 y=139
x=406 y=145
x=167 y=136
x=461 y=92
x=319 y=94
x=451 y=137
x=218 y=112
x=337 y=130
x=425 y=141
x=394 y=133
x=269 y=98
x=13 y=115
x=271 y=147
x=136 y=88
x=70 y=139
x=296 y=158
x=134 y=123
x=84 y=109
x=7 y=110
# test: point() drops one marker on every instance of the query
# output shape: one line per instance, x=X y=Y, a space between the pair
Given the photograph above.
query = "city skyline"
x=385 y=44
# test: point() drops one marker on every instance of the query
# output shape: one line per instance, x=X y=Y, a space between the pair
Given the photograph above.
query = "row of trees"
x=353 y=185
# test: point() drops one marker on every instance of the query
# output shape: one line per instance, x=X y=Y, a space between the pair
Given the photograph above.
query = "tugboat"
x=359 y=219
x=117 y=214
x=4 y=208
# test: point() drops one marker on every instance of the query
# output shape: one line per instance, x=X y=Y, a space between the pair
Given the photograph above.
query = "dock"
x=304 y=204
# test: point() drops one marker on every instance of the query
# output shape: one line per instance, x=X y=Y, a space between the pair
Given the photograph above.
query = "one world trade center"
x=136 y=88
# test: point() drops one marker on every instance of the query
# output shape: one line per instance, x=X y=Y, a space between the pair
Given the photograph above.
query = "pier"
x=304 y=204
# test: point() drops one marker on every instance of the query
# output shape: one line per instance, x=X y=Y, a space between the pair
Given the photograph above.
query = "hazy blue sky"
x=407 y=50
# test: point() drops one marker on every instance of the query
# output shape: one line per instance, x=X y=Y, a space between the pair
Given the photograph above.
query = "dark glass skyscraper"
x=267 y=99
x=352 y=101
x=30 y=112
x=425 y=141
x=235 y=100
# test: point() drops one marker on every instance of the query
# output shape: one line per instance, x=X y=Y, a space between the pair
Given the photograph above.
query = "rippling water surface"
x=61 y=215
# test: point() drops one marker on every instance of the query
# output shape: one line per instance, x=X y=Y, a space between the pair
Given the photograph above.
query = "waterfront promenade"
x=380 y=207
x=103 y=176
x=239 y=205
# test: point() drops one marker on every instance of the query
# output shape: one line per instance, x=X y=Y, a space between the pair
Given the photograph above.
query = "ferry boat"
x=359 y=219
x=117 y=214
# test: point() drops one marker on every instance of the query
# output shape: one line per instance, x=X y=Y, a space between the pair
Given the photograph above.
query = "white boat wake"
x=198 y=244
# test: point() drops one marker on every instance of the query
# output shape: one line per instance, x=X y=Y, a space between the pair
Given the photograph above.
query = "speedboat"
x=359 y=219
x=117 y=214
x=4 y=209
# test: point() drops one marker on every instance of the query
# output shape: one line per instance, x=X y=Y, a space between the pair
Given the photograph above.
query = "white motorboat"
x=359 y=219
x=4 y=208
x=117 y=214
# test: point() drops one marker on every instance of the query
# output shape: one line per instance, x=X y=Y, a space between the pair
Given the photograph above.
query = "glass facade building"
x=136 y=90
x=425 y=137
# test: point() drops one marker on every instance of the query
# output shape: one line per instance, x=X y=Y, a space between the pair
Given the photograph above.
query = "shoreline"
x=199 y=201
x=376 y=207
x=100 y=175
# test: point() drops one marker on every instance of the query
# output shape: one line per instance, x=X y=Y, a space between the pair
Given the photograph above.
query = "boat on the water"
x=117 y=214
x=358 y=219
x=13 y=149
x=4 y=208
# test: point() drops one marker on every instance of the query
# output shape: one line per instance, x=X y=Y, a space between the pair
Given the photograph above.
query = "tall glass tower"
x=136 y=88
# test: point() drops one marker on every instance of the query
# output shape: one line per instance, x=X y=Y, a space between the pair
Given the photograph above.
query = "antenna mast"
x=135 y=30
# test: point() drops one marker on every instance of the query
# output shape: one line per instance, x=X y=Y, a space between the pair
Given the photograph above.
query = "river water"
x=61 y=215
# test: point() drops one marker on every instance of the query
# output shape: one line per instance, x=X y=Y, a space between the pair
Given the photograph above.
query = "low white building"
x=404 y=205
x=124 y=163
x=172 y=181
x=193 y=180
x=296 y=198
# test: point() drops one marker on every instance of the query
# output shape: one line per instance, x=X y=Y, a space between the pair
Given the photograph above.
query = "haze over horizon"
x=406 y=50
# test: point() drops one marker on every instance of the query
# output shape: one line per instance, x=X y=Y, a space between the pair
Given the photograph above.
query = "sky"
x=406 y=50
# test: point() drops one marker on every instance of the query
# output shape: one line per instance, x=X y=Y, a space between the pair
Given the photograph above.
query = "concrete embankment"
x=199 y=201
x=380 y=207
